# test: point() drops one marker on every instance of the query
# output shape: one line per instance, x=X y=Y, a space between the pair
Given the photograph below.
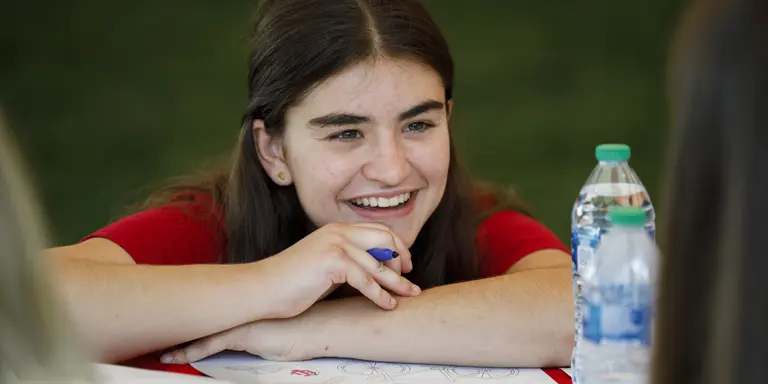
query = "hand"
x=277 y=340
x=333 y=255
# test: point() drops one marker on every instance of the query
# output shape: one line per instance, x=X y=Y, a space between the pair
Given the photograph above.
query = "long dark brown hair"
x=297 y=44
x=713 y=309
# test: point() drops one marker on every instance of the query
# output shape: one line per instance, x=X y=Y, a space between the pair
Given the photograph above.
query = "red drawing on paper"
x=303 y=372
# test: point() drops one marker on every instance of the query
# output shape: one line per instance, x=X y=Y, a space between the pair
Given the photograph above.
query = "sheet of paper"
x=241 y=368
x=115 y=374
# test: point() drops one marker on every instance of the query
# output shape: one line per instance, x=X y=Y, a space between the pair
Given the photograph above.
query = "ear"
x=271 y=153
x=448 y=109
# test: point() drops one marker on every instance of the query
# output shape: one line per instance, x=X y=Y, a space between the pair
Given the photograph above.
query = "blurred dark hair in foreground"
x=713 y=309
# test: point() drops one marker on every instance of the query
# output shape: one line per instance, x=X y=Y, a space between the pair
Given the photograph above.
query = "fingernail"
x=395 y=255
x=166 y=358
x=415 y=289
x=392 y=301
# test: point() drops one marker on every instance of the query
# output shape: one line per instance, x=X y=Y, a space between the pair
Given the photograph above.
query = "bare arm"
x=126 y=310
x=521 y=319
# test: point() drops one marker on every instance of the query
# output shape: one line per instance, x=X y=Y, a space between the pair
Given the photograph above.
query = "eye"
x=418 y=126
x=347 y=135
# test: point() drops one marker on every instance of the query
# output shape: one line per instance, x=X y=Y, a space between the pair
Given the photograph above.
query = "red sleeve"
x=507 y=236
x=177 y=234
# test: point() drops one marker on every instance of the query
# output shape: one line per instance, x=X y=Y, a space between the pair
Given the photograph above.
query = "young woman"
x=36 y=342
x=345 y=146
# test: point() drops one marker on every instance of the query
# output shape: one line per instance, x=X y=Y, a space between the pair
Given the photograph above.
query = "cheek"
x=319 y=179
x=312 y=169
x=433 y=159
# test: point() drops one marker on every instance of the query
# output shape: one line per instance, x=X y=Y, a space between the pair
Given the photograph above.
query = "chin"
x=407 y=233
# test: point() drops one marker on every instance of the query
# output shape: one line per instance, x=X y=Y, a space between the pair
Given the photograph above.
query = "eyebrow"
x=341 y=119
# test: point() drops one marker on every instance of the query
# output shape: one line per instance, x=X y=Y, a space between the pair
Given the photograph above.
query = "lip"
x=390 y=213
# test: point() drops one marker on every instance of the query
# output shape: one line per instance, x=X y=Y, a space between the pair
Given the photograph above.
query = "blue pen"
x=383 y=254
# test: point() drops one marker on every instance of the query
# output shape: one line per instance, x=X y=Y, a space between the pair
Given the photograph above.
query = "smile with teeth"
x=382 y=202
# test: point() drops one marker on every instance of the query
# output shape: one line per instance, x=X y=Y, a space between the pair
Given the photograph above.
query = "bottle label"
x=617 y=323
x=584 y=246
x=583 y=249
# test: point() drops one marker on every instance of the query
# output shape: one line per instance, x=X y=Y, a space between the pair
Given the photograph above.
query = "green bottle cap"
x=627 y=217
x=612 y=152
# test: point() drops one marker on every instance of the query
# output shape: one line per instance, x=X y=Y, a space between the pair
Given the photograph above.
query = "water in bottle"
x=619 y=299
x=612 y=183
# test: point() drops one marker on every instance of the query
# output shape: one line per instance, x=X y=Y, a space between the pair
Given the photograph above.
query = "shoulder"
x=187 y=230
x=505 y=237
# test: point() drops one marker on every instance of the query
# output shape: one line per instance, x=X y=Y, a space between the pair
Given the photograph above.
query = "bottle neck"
x=611 y=163
x=627 y=229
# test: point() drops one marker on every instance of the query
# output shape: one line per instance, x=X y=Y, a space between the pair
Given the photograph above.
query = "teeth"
x=382 y=201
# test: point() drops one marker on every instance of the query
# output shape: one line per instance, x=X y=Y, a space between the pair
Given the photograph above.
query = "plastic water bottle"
x=612 y=183
x=619 y=299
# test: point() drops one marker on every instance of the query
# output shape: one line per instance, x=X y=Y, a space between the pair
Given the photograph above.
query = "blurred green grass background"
x=107 y=98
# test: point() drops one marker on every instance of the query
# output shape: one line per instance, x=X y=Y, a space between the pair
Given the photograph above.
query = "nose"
x=388 y=163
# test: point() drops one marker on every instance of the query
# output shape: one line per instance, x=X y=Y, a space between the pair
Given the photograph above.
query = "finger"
x=405 y=262
x=357 y=278
x=384 y=276
x=370 y=235
x=200 y=349
x=390 y=240
x=395 y=265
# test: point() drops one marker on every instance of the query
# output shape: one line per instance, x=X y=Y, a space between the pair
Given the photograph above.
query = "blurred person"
x=37 y=342
x=345 y=146
x=713 y=307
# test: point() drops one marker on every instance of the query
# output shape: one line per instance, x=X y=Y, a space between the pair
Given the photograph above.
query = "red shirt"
x=191 y=234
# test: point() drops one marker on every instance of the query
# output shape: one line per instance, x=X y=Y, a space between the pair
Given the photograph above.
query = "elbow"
x=548 y=350
x=560 y=335
x=553 y=347
x=559 y=355
x=563 y=330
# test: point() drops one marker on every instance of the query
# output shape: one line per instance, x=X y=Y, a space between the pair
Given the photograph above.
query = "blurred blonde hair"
x=37 y=342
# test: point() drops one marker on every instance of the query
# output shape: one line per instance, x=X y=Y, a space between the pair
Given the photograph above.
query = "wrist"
x=337 y=328
x=257 y=292
x=319 y=325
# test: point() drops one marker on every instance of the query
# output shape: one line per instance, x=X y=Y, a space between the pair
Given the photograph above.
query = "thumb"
x=203 y=348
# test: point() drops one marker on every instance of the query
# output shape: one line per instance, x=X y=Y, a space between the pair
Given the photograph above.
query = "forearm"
x=521 y=320
x=126 y=310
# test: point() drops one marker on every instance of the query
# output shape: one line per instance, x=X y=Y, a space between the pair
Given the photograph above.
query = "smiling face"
x=370 y=144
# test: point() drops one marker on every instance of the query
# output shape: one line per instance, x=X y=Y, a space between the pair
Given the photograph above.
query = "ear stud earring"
x=281 y=175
